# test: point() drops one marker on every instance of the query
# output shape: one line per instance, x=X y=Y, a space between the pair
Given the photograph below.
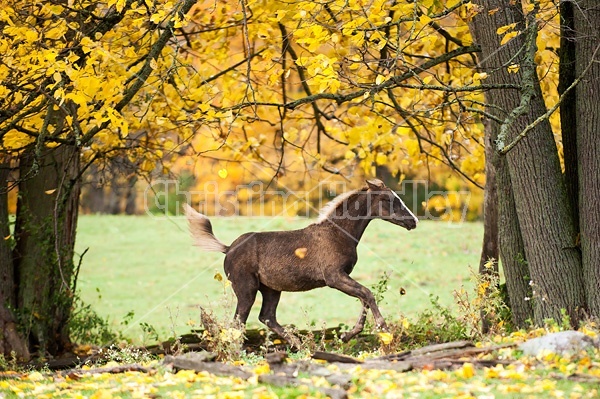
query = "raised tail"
x=201 y=230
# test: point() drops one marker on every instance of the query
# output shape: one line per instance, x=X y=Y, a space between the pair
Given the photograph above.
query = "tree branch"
x=390 y=83
x=504 y=150
x=317 y=111
x=448 y=160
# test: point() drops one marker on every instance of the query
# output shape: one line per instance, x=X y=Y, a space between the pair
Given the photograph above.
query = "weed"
x=88 y=327
x=126 y=354
x=309 y=340
x=149 y=333
x=437 y=325
x=487 y=301
x=250 y=358
x=381 y=286
x=378 y=289
x=269 y=341
x=224 y=338
x=563 y=325
x=173 y=319
x=434 y=325
x=10 y=363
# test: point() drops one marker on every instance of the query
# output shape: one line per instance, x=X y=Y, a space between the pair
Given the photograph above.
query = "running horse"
x=321 y=254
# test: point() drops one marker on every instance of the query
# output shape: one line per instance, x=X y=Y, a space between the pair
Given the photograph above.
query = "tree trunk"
x=45 y=237
x=512 y=251
x=568 y=108
x=536 y=179
x=131 y=196
x=489 y=250
x=587 y=27
x=113 y=204
x=10 y=339
x=6 y=264
x=92 y=194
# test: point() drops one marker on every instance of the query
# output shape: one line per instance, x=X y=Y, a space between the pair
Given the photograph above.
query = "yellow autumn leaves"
x=322 y=70
x=515 y=375
x=235 y=89
x=525 y=377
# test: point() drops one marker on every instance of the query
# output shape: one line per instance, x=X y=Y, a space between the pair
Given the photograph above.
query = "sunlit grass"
x=148 y=266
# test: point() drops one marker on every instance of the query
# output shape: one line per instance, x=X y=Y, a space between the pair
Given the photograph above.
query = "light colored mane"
x=330 y=207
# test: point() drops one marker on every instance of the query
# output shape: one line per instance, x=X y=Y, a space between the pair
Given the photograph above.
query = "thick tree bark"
x=10 y=339
x=511 y=248
x=512 y=251
x=510 y=242
x=568 y=116
x=489 y=250
x=536 y=179
x=45 y=236
x=587 y=28
x=6 y=264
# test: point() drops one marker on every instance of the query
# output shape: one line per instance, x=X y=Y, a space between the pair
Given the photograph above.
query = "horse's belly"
x=289 y=280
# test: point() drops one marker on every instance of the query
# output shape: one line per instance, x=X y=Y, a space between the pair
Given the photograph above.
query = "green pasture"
x=147 y=265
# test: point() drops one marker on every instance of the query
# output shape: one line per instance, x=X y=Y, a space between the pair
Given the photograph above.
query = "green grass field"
x=147 y=265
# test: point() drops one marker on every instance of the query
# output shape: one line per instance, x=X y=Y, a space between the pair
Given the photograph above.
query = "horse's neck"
x=352 y=229
x=350 y=221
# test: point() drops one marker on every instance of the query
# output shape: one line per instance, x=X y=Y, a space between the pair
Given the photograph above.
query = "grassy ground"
x=147 y=265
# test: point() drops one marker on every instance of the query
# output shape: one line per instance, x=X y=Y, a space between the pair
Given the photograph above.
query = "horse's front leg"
x=341 y=281
x=358 y=327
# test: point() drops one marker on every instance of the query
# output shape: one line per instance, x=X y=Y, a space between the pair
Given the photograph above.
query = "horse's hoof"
x=294 y=343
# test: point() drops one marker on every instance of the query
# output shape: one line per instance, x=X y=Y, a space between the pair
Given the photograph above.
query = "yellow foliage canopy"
x=256 y=87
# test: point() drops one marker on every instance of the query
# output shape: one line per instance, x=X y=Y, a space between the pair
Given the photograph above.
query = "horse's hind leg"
x=245 y=290
x=268 y=314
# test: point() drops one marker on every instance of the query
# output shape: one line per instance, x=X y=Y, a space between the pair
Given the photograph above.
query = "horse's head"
x=387 y=205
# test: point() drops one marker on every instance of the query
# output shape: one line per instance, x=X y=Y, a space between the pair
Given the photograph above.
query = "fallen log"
x=429 y=349
x=11 y=375
x=334 y=357
x=203 y=361
x=78 y=373
x=439 y=356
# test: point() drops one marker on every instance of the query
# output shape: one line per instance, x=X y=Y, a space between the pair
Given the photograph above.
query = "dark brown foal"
x=268 y=261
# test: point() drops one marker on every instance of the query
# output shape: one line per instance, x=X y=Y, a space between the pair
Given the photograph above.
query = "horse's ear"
x=375 y=184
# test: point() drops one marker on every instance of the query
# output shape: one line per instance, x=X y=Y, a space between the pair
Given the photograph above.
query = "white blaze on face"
x=405 y=207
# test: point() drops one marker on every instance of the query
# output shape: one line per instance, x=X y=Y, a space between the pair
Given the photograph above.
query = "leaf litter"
x=459 y=369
